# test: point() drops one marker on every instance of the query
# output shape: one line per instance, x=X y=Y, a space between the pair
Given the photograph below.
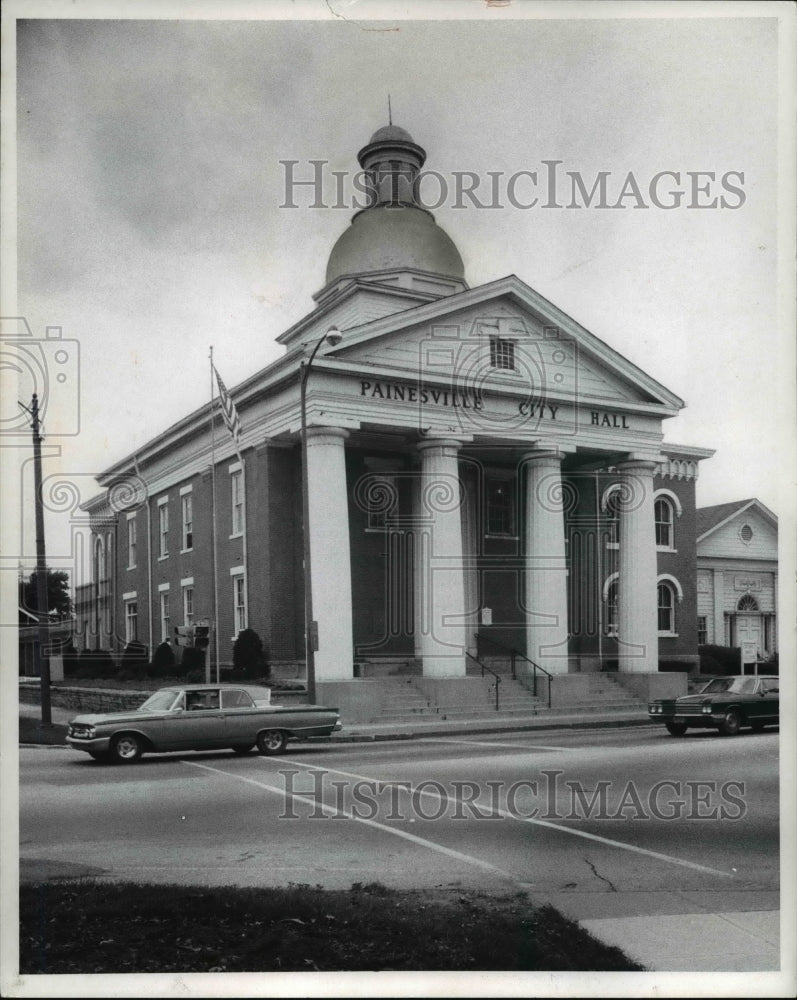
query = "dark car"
x=199 y=717
x=726 y=704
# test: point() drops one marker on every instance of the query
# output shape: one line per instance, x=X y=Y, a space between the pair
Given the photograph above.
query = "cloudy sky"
x=150 y=185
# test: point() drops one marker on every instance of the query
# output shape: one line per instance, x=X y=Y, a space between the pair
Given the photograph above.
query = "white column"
x=545 y=562
x=718 y=582
x=419 y=541
x=470 y=550
x=441 y=583
x=330 y=554
x=637 y=604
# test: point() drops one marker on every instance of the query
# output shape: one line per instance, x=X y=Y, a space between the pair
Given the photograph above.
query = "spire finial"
x=389 y=111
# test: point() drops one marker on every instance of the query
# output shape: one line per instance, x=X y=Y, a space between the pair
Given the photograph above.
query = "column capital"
x=441 y=442
x=638 y=466
x=315 y=432
x=542 y=451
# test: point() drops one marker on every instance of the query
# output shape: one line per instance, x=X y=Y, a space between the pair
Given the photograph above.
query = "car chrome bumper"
x=99 y=744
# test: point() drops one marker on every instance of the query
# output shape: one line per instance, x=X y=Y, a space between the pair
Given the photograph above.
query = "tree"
x=59 y=600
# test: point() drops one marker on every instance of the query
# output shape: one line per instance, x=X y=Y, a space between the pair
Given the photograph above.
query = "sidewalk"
x=727 y=931
x=365 y=732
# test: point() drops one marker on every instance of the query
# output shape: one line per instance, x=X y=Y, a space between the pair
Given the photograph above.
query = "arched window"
x=747 y=603
x=663 y=514
x=666 y=605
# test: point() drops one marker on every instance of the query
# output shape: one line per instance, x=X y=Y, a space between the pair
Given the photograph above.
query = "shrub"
x=163 y=656
x=676 y=666
x=249 y=655
x=192 y=660
x=134 y=658
x=95 y=663
x=720 y=660
x=71 y=660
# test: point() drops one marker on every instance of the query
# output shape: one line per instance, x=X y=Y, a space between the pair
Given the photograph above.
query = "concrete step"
x=407 y=710
x=389 y=717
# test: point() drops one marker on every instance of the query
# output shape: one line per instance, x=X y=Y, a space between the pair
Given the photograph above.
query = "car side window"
x=770 y=687
x=202 y=700
x=236 y=699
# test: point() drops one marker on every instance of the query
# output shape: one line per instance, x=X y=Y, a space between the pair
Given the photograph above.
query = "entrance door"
x=748 y=630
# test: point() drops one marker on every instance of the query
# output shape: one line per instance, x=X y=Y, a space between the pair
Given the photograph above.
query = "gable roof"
x=708 y=519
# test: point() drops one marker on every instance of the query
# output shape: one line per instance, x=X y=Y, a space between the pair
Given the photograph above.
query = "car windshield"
x=161 y=701
x=733 y=685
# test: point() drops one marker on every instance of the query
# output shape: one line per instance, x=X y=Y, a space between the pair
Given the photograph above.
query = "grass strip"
x=98 y=927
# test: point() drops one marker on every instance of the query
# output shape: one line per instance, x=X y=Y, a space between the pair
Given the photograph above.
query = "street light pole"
x=41 y=662
x=332 y=337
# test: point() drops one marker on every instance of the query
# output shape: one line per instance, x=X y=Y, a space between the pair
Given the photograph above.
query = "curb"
x=460 y=730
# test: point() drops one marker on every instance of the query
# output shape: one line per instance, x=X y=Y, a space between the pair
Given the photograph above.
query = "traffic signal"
x=184 y=635
x=201 y=636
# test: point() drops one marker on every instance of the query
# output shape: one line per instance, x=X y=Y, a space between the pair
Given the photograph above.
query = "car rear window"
x=236 y=699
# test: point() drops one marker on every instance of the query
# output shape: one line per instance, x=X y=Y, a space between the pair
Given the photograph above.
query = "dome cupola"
x=394 y=232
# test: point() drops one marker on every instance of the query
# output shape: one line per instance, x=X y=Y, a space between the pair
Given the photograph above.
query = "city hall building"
x=482 y=474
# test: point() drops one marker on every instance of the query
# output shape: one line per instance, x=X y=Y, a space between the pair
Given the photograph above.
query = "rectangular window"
x=131 y=621
x=612 y=616
x=381 y=497
x=239 y=602
x=236 y=486
x=500 y=507
x=131 y=542
x=663 y=518
x=702 y=630
x=163 y=530
x=188 y=605
x=502 y=353
x=165 y=616
x=188 y=522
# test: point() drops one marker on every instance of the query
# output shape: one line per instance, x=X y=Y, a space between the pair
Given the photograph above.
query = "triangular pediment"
x=548 y=351
x=747 y=530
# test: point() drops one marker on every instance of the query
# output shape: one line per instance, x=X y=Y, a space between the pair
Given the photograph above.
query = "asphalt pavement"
x=707 y=932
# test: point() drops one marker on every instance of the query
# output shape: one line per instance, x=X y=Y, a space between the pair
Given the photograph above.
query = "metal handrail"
x=489 y=671
x=514 y=653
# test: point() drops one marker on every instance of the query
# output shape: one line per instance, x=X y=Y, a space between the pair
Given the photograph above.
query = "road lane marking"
x=334 y=811
x=609 y=842
x=510 y=746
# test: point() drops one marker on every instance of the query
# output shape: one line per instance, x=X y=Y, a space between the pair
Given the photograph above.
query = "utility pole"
x=41 y=662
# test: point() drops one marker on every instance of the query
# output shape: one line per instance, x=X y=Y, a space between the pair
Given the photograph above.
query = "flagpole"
x=214 y=555
x=230 y=415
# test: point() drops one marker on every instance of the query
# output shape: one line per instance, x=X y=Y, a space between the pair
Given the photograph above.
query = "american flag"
x=231 y=418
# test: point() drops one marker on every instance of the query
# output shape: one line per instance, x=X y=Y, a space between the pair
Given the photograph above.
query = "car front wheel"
x=271 y=741
x=731 y=724
x=675 y=728
x=126 y=748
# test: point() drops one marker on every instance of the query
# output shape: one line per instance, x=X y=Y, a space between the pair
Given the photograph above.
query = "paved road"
x=606 y=824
